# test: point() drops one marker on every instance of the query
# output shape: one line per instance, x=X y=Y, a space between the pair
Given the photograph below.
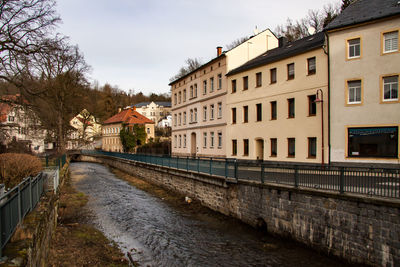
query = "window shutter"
x=391 y=41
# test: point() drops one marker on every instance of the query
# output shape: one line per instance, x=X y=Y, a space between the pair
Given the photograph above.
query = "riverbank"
x=76 y=242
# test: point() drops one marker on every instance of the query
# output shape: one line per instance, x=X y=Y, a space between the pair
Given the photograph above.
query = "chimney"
x=219 y=50
x=282 y=41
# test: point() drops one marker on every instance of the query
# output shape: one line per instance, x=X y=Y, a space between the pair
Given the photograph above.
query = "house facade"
x=86 y=131
x=128 y=117
x=199 y=100
x=19 y=123
x=275 y=104
x=154 y=111
x=364 y=85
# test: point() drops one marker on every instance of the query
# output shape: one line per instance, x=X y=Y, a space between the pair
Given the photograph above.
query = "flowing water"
x=157 y=233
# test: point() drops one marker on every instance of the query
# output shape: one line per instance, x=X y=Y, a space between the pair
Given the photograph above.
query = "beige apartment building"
x=364 y=84
x=199 y=112
x=275 y=104
x=112 y=127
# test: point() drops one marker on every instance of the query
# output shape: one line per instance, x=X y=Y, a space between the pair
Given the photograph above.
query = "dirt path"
x=76 y=242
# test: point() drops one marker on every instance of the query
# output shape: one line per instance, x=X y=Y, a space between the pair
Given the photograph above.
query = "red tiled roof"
x=128 y=116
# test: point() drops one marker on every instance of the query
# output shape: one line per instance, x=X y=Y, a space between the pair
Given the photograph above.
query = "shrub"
x=15 y=167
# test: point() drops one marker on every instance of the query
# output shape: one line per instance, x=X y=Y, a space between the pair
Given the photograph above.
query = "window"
x=311 y=66
x=175 y=99
x=273 y=110
x=195 y=90
x=290 y=71
x=259 y=111
x=233 y=115
x=204 y=113
x=245 y=147
x=373 y=142
x=312 y=106
x=180 y=141
x=274 y=147
x=211 y=84
x=219 y=81
x=184 y=118
x=312 y=147
x=10 y=118
x=184 y=95
x=234 y=147
x=391 y=88
x=233 y=86
x=212 y=112
x=258 y=79
x=180 y=119
x=291 y=108
x=175 y=119
x=354 y=48
x=191 y=91
x=219 y=110
x=211 y=139
x=175 y=141
x=245 y=114
x=204 y=87
x=184 y=141
x=391 y=42
x=204 y=139
x=191 y=116
x=245 y=82
x=219 y=139
x=195 y=114
x=291 y=147
x=354 y=92
x=179 y=97
x=272 y=73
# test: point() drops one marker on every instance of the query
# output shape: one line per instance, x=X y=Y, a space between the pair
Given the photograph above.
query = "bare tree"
x=24 y=24
x=191 y=65
x=237 y=42
x=315 y=18
x=56 y=80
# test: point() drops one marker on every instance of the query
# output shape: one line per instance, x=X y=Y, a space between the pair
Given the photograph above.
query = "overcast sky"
x=140 y=44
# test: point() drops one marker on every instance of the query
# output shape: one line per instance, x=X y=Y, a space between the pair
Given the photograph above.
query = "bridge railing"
x=23 y=198
x=382 y=182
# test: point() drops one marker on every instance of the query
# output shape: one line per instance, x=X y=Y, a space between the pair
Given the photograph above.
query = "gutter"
x=329 y=98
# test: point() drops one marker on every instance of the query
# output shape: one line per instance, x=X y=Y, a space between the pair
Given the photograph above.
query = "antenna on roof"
x=255 y=31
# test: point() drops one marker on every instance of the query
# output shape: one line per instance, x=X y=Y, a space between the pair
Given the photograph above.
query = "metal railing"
x=382 y=182
x=23 y=198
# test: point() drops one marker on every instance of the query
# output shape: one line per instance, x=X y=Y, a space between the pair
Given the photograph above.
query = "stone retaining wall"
x=30 y=244
x=356 y=228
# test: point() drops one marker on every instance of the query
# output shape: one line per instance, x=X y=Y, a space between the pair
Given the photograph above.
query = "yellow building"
x=112 y=127
x=364 y=85
x=274 y=112
x=199 y=112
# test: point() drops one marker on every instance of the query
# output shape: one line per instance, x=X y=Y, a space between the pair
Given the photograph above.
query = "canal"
x=158 y=233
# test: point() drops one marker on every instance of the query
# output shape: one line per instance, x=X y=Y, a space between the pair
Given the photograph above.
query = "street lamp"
x=319 y=98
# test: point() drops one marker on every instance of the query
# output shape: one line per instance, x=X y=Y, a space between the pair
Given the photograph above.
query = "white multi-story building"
x=20 y=124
